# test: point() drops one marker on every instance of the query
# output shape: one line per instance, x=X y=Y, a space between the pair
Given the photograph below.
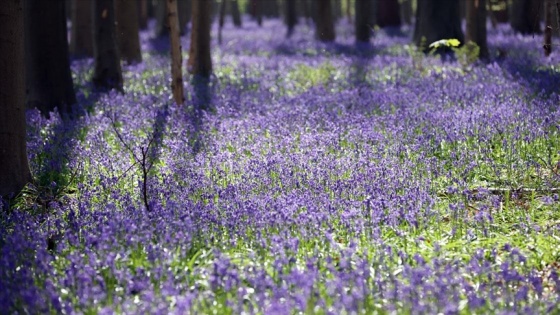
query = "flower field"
x=322 y=179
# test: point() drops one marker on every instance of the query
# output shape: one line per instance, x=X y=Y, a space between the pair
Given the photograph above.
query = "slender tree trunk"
x=14 y=167
x=476 y=25
x=184 y=9
x=525 y=16
x=47 y=64
x=81 y=43
x=235 y=13
x=549 y=8
x=435 y=20
x=388 y=13
x=349 y=10
x=406 y=11
x=363 y=28
x=107 y=73
x=291 y=17
x=200 y=61
x=221 y=20
x=256 y=10
x=128 y=37
x=142 y=14
x=324 y=22
x=162 y=29
x=176 y=58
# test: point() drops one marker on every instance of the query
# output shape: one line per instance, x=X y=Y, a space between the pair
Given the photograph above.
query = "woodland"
x=279 y=157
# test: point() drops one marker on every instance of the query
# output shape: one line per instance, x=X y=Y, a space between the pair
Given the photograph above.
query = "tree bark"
x=235 y=13
x=184 y=10
x=107 y=73
x=162 y=28
x=256 y=11
x=14 y=167
x=525 y=16
x=435 y=20
x=291 y=17
x=324 y=23
x=388 y=13
x=476 y=25
x=47 y=64
x=143 y=14
x=128 y=37
x=363 y=28
x=200 y=61
x=176 y=58
x=81 y=43
x=550 y=9
x=406 y=11
x=221 y=20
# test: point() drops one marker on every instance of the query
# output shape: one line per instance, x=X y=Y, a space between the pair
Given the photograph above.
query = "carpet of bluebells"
x=322 y=179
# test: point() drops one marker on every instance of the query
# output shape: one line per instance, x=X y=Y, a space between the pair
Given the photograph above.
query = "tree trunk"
x=525 y=16
x=14 y=167
x=143 y=14
x=221 y=20
x=200 y=61
x=256 y=10
x=81 y=43
x=128 y=37
x=47 y=64
x=184 y=10
x=388 y=13
x=176 y=58
x=435 y=20
x=476 y=25
x=349 y=10
x=107 y=73
x=406 y=11
x=549 y=9
x=363 y=28
x=235 y=13
x=291 y=17
x=162 y=28
x=324 y=23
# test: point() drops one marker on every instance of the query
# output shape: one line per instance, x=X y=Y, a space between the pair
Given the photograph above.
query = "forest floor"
x=323 y=179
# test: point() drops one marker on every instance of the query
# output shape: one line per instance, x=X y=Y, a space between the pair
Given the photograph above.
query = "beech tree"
x=550 y=11
x=525 y=16
x=14 y=167
x=176 y=58
x=81 y=43
x=235 y=13
x=291 y=17
x=324 y=24
x=200 y=61
x=476 y=25
x=107 y=73
x=47 y=64
x=435 y=20
x=363 y=27
x=388 y=13
x=128 y=37
x=143 y=14
x=406 y=11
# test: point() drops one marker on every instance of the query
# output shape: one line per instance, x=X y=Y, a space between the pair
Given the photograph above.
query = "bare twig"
x=144 y=161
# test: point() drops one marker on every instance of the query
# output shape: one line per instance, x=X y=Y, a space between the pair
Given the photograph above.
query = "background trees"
x=107 y=73
x=476 y=25
x=47 y=70
x=81 y=43
x=200 y=62
x=14 y=168
x=128 y=39
x=437 y=19
x=324 y=28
